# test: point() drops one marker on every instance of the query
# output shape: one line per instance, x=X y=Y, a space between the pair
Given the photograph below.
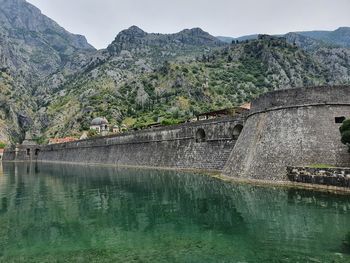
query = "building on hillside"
x=1 y=153
x=28 y=140
x=116 y=129
x=84 y=136
x=100 y=125
x=247 y=106
x=61 y=140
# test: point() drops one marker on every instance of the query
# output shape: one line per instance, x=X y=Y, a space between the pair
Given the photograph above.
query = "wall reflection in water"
x=50 y=209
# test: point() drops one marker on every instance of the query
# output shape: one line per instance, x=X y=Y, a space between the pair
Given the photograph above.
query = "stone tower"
x=294 y=127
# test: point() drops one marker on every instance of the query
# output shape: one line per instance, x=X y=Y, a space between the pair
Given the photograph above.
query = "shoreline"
x=215 y=174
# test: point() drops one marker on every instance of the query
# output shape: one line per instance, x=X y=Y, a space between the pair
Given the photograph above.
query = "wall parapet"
x=324 y=176
x=301 y=97
x=297 y=106
x=216 y=130
x=204 y=145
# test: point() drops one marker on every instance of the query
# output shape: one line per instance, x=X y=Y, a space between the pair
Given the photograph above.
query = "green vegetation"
x=143 y=79
x=92 y=133
x=179 y=89
x=2 y=145
x=169 y=122
x=41 y=140
x=345 y=133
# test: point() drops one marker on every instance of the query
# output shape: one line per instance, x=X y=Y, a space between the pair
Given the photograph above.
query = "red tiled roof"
x=62 y=140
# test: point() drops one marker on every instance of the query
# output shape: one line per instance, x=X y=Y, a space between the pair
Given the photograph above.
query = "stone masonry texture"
x=169 y=147
x=294 y=127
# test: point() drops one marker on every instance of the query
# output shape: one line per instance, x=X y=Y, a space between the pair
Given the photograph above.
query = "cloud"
x=101 y=20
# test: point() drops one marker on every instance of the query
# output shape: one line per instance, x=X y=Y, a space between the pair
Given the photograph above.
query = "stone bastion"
x=294 y=127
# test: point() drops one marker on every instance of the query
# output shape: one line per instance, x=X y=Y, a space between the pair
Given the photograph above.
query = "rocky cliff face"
x=125 y=91
x=34 y=43
x=32 y=47
x=135 y=38
x=307 y=39
x=133 y=53
x=54 y=82
x=339 y=37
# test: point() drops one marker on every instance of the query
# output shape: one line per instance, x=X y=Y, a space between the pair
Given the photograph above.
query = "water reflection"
x=161 y=216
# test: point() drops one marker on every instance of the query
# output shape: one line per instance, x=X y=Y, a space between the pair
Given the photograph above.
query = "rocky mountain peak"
x=134 y=31
x=198 y=36
x=195 y=32
x=343 y=29
x=136 y=38
x=18 y=17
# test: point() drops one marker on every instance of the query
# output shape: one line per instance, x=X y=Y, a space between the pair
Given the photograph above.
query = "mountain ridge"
x=128 y=38
x=32 y=47
x=339 y=37
x=177 y=90
x=53 y=83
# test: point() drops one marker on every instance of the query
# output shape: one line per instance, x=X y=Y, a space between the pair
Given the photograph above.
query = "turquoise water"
x=67 y=213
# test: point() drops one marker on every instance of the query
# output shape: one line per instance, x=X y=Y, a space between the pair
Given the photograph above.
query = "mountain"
x=53 y=83
x=239 y=39
x=136 y=37
x=34 y=43
x=177 y=90
x=133 y=52
x=32 y=46
x=163 y=47
x=337 y=38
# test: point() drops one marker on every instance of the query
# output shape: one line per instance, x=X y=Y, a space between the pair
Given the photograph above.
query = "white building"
x=100 y=125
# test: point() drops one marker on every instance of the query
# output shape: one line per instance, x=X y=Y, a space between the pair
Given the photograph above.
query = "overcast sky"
x=101 y=20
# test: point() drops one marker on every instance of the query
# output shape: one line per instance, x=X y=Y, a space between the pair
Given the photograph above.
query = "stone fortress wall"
x=295 y=127
x=199 y=145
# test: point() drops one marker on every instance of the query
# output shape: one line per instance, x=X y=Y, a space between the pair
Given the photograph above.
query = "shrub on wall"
x=2 y=145
x=345 y=133
x=167 y=122
x=92 y=133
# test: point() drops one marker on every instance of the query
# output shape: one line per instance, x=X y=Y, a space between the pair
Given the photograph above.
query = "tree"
x=345 y=133
x=164 y=70
x=92 y=133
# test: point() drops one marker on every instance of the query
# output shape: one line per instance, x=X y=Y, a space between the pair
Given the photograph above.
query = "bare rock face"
x=18 y=17
x=32 y=47
x=34 y=44
x=135 y=38
x=48 y=76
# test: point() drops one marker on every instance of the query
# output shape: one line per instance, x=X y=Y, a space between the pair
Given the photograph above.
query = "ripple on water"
x=70 y=213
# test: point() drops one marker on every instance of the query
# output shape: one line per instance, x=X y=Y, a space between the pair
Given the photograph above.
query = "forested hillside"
x=53 y=83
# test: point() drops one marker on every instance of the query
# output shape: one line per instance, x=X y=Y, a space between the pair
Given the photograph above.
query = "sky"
x=101 y=20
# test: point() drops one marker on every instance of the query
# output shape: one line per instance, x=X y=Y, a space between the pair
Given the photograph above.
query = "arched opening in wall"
x=37 y=152
x=237 y=131
x=28 y=152
x=200 y=135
